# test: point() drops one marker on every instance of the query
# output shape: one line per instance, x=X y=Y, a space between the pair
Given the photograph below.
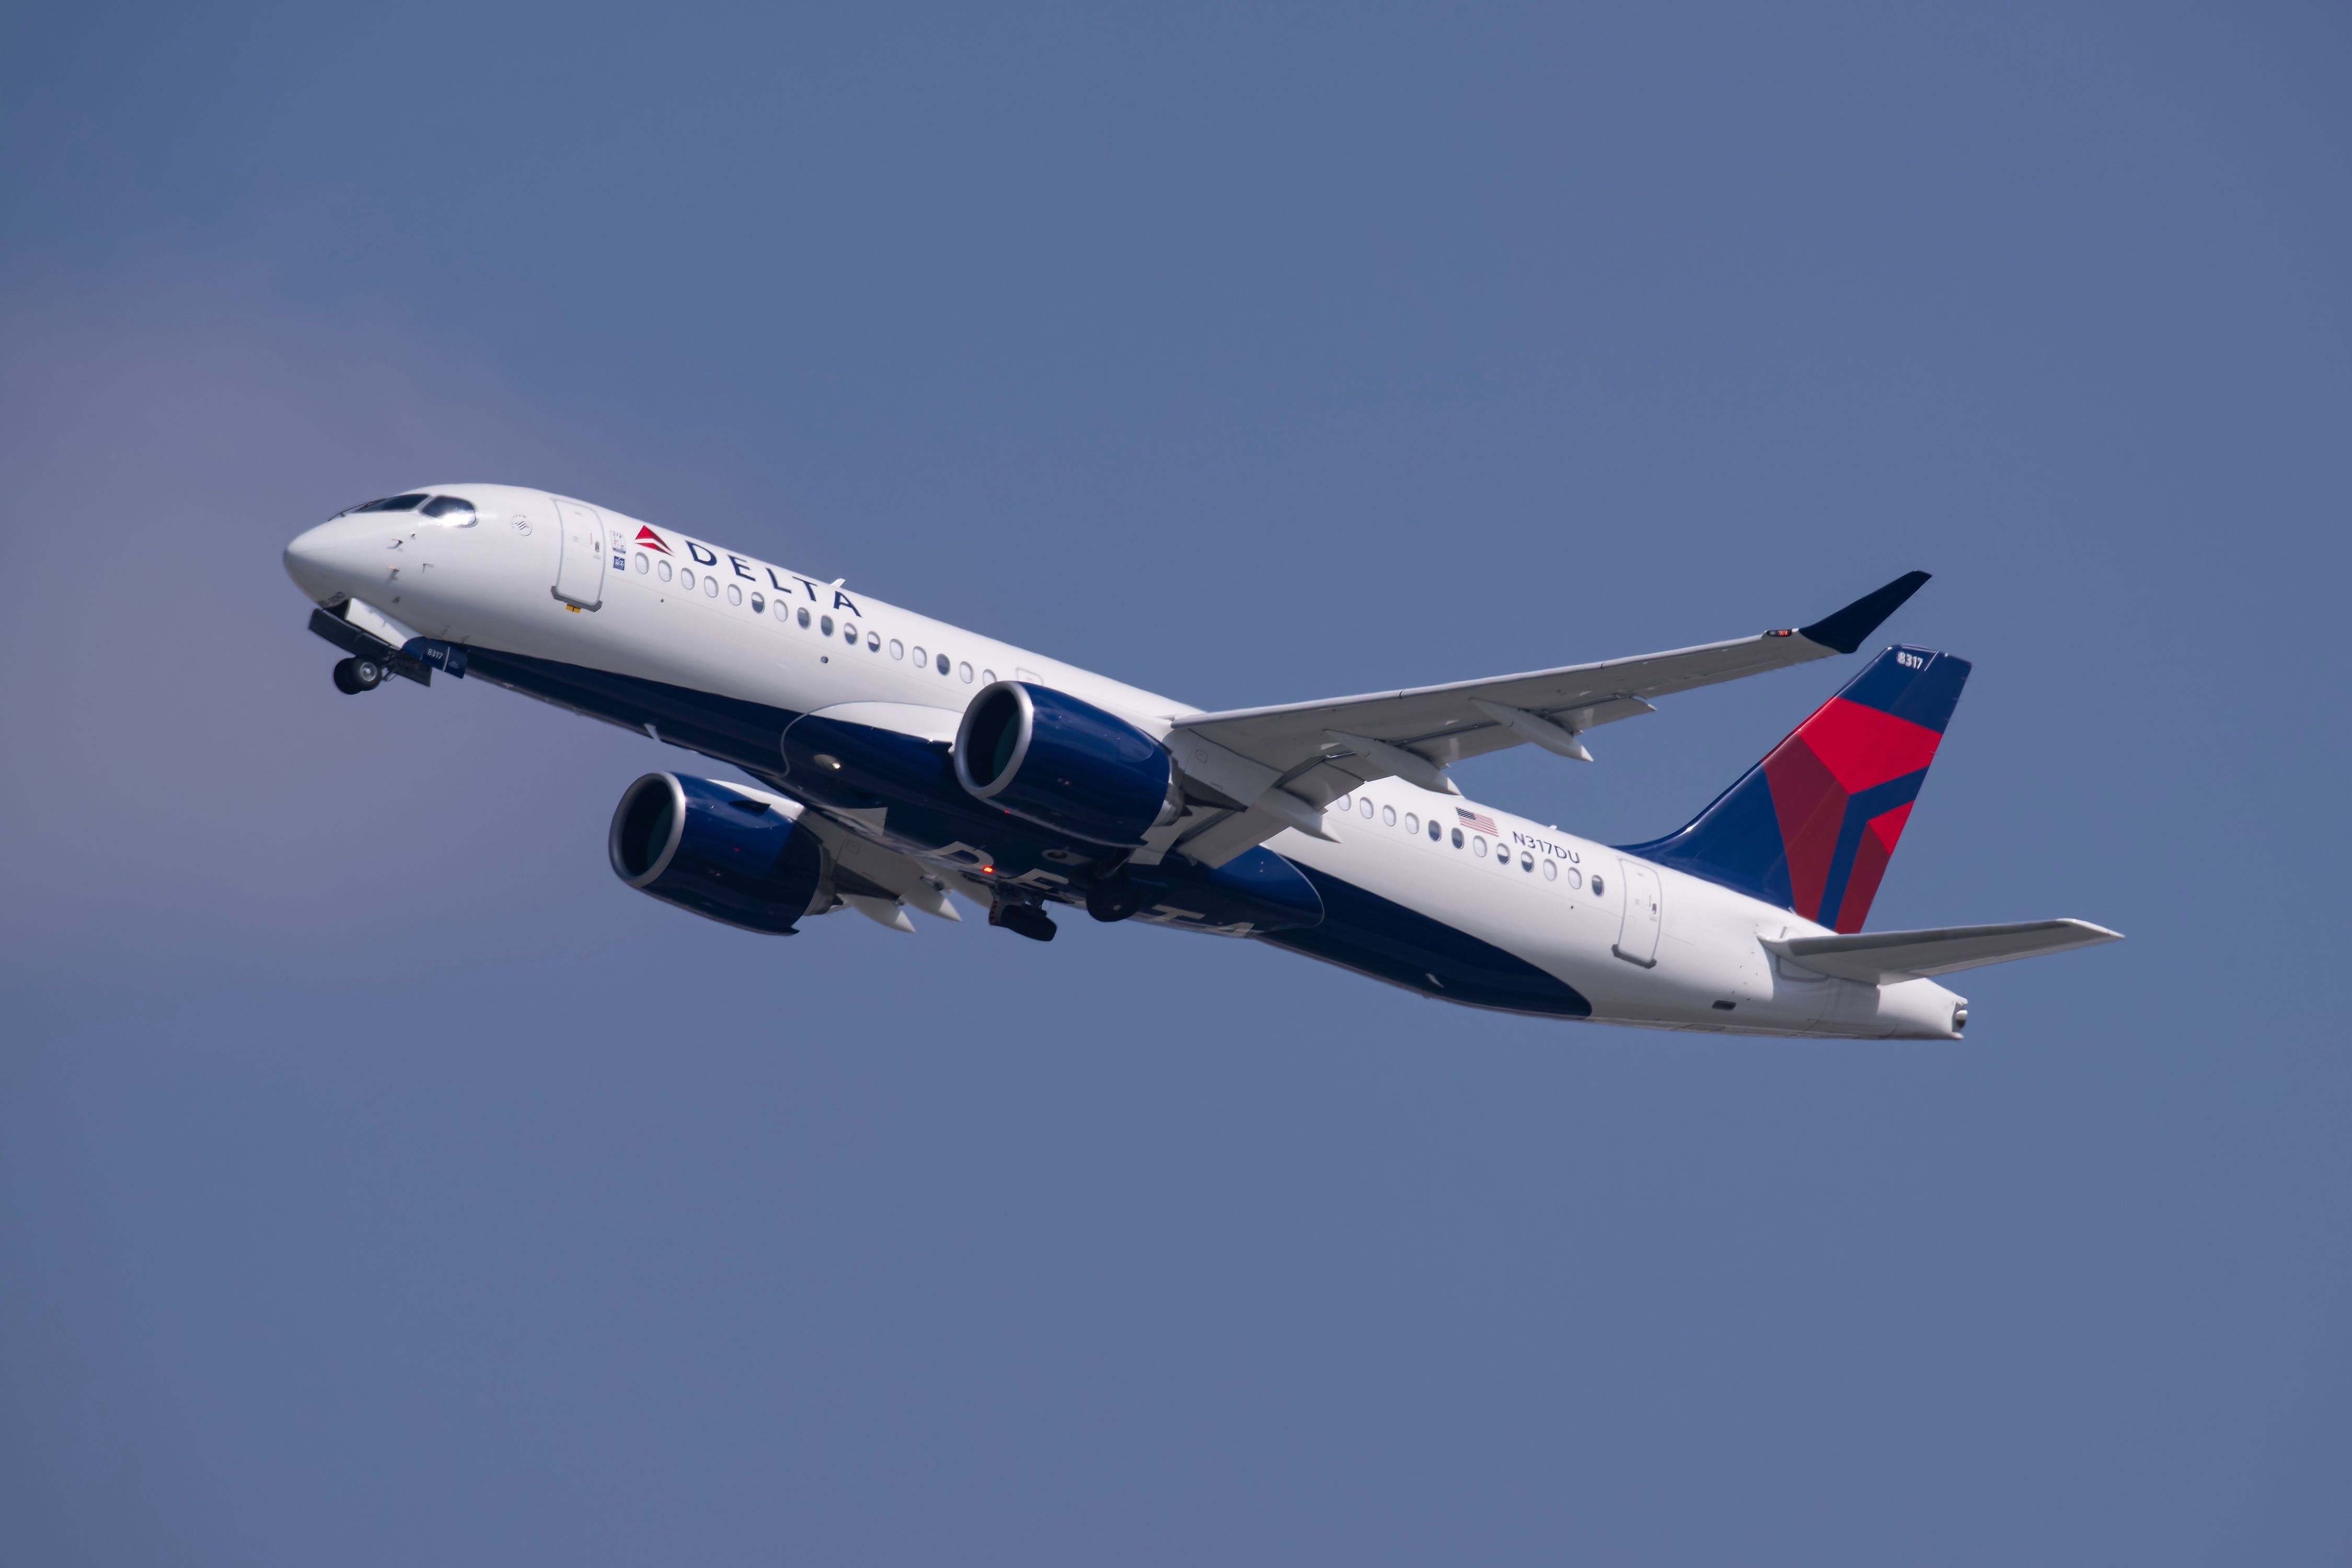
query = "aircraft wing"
x=1266 y=769
x=1876 y=957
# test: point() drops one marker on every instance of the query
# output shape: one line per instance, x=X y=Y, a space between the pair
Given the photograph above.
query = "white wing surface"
x=1256 y=771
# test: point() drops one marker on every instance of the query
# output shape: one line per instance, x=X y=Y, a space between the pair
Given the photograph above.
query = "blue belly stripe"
x=1379 y=937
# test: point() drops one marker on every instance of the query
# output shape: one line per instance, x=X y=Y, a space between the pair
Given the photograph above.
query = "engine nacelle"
x=733 y=858
x=1048 y=758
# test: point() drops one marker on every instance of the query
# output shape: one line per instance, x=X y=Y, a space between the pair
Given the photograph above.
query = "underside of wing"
x=878 y=882
x=1257 y=771
x=1874 y=958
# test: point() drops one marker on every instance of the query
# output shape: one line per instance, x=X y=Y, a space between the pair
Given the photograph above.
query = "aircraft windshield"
x=450 y=511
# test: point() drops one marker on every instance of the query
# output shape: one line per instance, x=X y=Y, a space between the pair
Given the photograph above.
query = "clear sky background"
x=383 y=1182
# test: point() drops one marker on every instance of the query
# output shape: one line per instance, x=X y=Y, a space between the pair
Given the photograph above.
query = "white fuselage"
x=1645 y=944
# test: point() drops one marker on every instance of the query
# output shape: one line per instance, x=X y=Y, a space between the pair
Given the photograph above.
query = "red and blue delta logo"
x=1812 y=827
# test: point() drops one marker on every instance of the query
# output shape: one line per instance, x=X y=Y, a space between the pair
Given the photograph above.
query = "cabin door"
x=1637 y=939
x=579 y=575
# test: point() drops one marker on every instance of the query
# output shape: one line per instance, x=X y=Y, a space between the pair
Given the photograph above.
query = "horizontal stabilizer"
x=1874 y=958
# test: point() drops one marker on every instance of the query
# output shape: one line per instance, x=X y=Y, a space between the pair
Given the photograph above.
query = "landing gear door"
x=1637 y=939
x=580 y=576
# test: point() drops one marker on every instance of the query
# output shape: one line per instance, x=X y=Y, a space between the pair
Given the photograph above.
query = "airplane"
x=901 y=760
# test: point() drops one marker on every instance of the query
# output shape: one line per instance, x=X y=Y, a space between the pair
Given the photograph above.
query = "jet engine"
x=1048 y=758
x=739 y=858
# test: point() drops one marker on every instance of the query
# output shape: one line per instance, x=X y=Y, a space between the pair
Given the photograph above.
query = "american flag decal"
x=1477 y=822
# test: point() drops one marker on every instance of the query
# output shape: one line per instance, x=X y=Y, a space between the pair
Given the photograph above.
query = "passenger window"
x=709 y=586
x=644 y=565
x=759 y=603
x=1551 y=871
x=964 y=670
x=665 y=571
x=1412 y=823
x=873 y=642
x=734 y=595
x=1599 y=886
x=988 y=678
x=824 y=626
x=1388 y=817
x=1436 y=832
x=921 y=658
x=1575 y=878
x=1478 y=846
x=1457 y=836
x=899 y=649
x=849 y=633
x=1365 y=806
x=943 y=664
x=1343 y=805
x=803 y=618
x=1526 y=862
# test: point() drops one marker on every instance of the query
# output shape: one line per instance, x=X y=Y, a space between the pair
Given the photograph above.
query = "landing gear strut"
x=1027 y=919
x=355 y=675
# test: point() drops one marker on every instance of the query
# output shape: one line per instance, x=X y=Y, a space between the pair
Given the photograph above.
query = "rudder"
x=1812 y=827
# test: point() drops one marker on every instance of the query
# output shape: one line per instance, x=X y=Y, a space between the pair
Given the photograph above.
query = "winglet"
x=1845 y=629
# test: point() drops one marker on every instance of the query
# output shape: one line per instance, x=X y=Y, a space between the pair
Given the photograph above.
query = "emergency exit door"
x=580 y=574
x=1637 y=938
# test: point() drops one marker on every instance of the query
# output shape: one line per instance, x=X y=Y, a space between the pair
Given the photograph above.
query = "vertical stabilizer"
x=1812 y=825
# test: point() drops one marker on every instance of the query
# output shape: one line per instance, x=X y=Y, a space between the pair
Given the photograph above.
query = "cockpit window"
x=392 y=503
x=450 y=511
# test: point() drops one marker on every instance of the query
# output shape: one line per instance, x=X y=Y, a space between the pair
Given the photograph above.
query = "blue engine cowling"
x=1048 y=758
x=728 y=856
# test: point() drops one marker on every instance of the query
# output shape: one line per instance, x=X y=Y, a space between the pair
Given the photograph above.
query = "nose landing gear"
x=355 y=675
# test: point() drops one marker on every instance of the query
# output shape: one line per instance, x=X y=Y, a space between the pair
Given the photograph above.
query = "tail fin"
x=1812 y=825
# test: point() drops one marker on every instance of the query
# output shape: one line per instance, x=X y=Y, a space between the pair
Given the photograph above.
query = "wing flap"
x=1874 y=958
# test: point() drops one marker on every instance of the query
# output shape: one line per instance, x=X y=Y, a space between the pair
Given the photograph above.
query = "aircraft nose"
x=306 y=560
x=320 y=560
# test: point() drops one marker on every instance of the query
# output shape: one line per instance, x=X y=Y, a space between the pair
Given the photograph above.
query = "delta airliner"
x=901 y=760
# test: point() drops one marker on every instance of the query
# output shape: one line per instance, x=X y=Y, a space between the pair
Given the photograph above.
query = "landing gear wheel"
x=353 y=676
x=1025 y=919
x=1113 y=900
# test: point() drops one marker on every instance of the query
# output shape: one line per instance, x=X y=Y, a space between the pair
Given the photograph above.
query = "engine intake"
x=1048 y=758
x=728 y=856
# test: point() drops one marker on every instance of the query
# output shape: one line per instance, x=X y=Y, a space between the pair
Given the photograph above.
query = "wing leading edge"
x=1257 y=771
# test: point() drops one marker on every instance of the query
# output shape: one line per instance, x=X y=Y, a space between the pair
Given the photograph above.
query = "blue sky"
x=380 y=1181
